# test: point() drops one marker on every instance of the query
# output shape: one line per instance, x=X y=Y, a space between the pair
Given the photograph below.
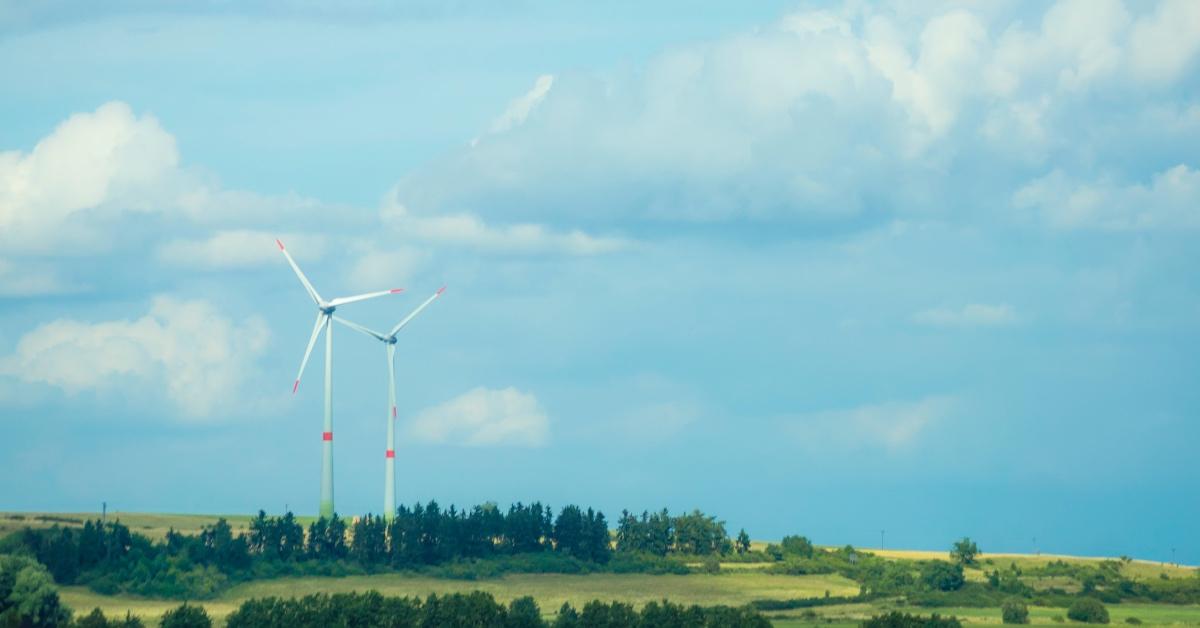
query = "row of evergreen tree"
x=477 y=609
x=110 y=558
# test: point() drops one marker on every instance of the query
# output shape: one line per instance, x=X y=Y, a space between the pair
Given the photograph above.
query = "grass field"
x=737 y=584
x=550 y=590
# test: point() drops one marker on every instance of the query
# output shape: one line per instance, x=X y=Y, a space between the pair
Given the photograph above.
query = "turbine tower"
x=389 y=341
x=325 y=310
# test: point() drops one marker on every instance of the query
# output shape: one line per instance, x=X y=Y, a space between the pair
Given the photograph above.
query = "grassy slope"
x=740 y=583
x=549 y=590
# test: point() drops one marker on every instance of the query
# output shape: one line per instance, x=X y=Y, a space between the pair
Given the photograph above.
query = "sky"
x=847 y=269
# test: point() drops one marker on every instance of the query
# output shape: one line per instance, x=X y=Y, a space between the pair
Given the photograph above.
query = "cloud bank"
x=484 y=417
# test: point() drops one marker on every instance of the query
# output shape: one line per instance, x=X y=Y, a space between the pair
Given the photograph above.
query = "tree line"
x=109 y=558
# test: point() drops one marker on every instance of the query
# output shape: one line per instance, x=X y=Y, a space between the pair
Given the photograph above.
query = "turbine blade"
x=414 y=313
x=312 y=340
x=360 y=328
x=363 y=297
x=312 y=292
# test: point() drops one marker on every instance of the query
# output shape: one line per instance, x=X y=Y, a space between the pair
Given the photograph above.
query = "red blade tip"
x=295 y=386
x=441 y=290
x=279 y=244
x=396 y=290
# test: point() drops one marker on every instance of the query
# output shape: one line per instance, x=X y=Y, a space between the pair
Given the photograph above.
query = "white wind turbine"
x=325 y=311
x=389 y=341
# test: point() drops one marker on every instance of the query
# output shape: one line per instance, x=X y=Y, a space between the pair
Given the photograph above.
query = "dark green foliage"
x=475 y=609
x=523 y=612
x=186 y=616
x=27 y=595
x=1088 y=610
x=743 y=542
x=1014 y=612
x=964 y=551
x=797 y=546
x=896 y=619
x=942 y=576
x=660 y=534
x=567 y=617
x=96 y=619
x=1133 y=620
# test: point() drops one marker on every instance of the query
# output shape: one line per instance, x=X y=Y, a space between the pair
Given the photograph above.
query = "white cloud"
x=90 y=161
x=824 y=115
x=484 y=417
x=1165 y=43
x=970 y=315
x=374 y=268
x=240 y=249
x=468 y=230
x=518 y=110
x=199 y=357
x=894 y=425
x=1171 y=200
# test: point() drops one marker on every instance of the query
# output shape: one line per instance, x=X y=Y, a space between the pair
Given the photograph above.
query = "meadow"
x=737 y=583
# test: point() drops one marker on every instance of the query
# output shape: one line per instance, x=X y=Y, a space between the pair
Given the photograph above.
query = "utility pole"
x=1173 y=557
x=103 y=512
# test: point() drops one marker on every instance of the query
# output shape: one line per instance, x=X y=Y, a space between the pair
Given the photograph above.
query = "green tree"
x=186 y=616
x=523 y=612
x=942 y=576
x=964 y=551
x=1014 y=612
x=743 y=542
x=567 y=616
x=27 y=595
x=1088 y=610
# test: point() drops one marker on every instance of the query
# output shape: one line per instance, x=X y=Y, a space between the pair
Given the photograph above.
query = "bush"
x=942 y=576
x=896 y=619
x=1132 y=620
x=1088 y=610
x=712 y=565
x=1014 y=612
x=186 y=617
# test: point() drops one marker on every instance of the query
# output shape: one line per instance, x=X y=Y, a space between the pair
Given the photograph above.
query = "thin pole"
x=389 y=477
x=326 y=508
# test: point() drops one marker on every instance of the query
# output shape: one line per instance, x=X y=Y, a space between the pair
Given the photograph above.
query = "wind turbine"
x=325 y=311
x=389 y=341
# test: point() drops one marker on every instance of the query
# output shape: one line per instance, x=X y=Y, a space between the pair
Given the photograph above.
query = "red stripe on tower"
x=391 y=453
x=326 y=435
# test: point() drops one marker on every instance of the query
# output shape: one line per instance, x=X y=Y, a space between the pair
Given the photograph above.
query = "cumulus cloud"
x=970 y=315
x=824 y=115
x=894 y=425
x=385 y=267
x=1172 y=199
x=239 y=249
x=485 y=417
x=87 y=164
x=200 y=358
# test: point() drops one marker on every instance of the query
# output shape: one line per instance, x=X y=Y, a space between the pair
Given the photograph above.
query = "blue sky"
x=819 y=268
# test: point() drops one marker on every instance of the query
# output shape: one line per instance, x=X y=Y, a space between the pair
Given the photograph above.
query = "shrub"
x=1014 y=612
x=1132 y=620
x=896 y=619
x=712 y=565
x=964 y=551
x=186 y=617
x=1088 y=610
x=942 y=576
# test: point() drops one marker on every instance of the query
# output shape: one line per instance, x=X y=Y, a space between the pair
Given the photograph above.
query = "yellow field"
x=549 y=590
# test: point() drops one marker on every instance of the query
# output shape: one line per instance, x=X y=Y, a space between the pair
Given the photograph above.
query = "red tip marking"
x=441 y=290
x=390 y=454
x=295 y=386
x=395 y=290
x=326 y=435
x=393 y=412
x=280 y=244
